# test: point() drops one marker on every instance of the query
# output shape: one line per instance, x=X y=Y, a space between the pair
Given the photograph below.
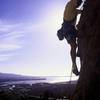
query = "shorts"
x=69 y=31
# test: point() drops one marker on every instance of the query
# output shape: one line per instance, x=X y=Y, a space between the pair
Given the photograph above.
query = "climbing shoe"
x=75 y=70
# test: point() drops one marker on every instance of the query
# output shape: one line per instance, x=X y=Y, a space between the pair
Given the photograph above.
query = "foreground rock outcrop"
x=88 y=86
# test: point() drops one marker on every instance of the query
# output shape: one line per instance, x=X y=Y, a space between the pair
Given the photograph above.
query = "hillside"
x=14 y=77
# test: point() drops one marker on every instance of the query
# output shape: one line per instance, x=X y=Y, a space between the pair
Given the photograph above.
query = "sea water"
x=46 y=79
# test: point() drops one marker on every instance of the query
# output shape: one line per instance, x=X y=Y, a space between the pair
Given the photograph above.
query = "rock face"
x=88 y=86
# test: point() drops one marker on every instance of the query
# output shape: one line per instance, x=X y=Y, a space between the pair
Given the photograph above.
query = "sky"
x=28 y=41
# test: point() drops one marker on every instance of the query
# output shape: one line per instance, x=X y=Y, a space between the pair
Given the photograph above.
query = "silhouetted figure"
x=69 y=31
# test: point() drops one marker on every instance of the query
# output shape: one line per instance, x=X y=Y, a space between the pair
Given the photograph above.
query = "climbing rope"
x=70 y=83
x=70 y=77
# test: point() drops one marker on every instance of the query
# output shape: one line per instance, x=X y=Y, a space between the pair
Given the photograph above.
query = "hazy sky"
x=28 y=41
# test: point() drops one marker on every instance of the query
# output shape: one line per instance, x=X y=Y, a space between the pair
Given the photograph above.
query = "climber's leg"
x=73 y=56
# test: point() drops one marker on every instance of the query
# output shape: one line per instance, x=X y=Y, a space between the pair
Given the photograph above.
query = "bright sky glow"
x=28 y=41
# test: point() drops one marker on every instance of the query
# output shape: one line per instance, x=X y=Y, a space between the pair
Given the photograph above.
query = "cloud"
x=15 y=36
x=5 y=57
x=10 y=41
x=9 y=47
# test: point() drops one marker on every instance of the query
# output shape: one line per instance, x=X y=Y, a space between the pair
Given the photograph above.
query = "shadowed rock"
x=88 y=86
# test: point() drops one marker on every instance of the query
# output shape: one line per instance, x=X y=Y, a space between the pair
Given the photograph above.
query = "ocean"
x=48 y=79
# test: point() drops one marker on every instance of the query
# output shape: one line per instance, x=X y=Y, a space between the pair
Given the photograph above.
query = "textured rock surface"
x=88 y=86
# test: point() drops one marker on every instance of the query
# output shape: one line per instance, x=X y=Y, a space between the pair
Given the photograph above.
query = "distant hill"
x=14 y=77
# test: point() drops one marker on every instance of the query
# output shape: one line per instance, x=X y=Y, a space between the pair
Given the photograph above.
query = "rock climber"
x=69 y=31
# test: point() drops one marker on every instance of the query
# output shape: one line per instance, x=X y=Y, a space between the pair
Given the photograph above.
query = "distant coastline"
x=5 y=77
x=18 y=86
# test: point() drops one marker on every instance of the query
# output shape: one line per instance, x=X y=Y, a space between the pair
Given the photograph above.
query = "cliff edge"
x=88 y=85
